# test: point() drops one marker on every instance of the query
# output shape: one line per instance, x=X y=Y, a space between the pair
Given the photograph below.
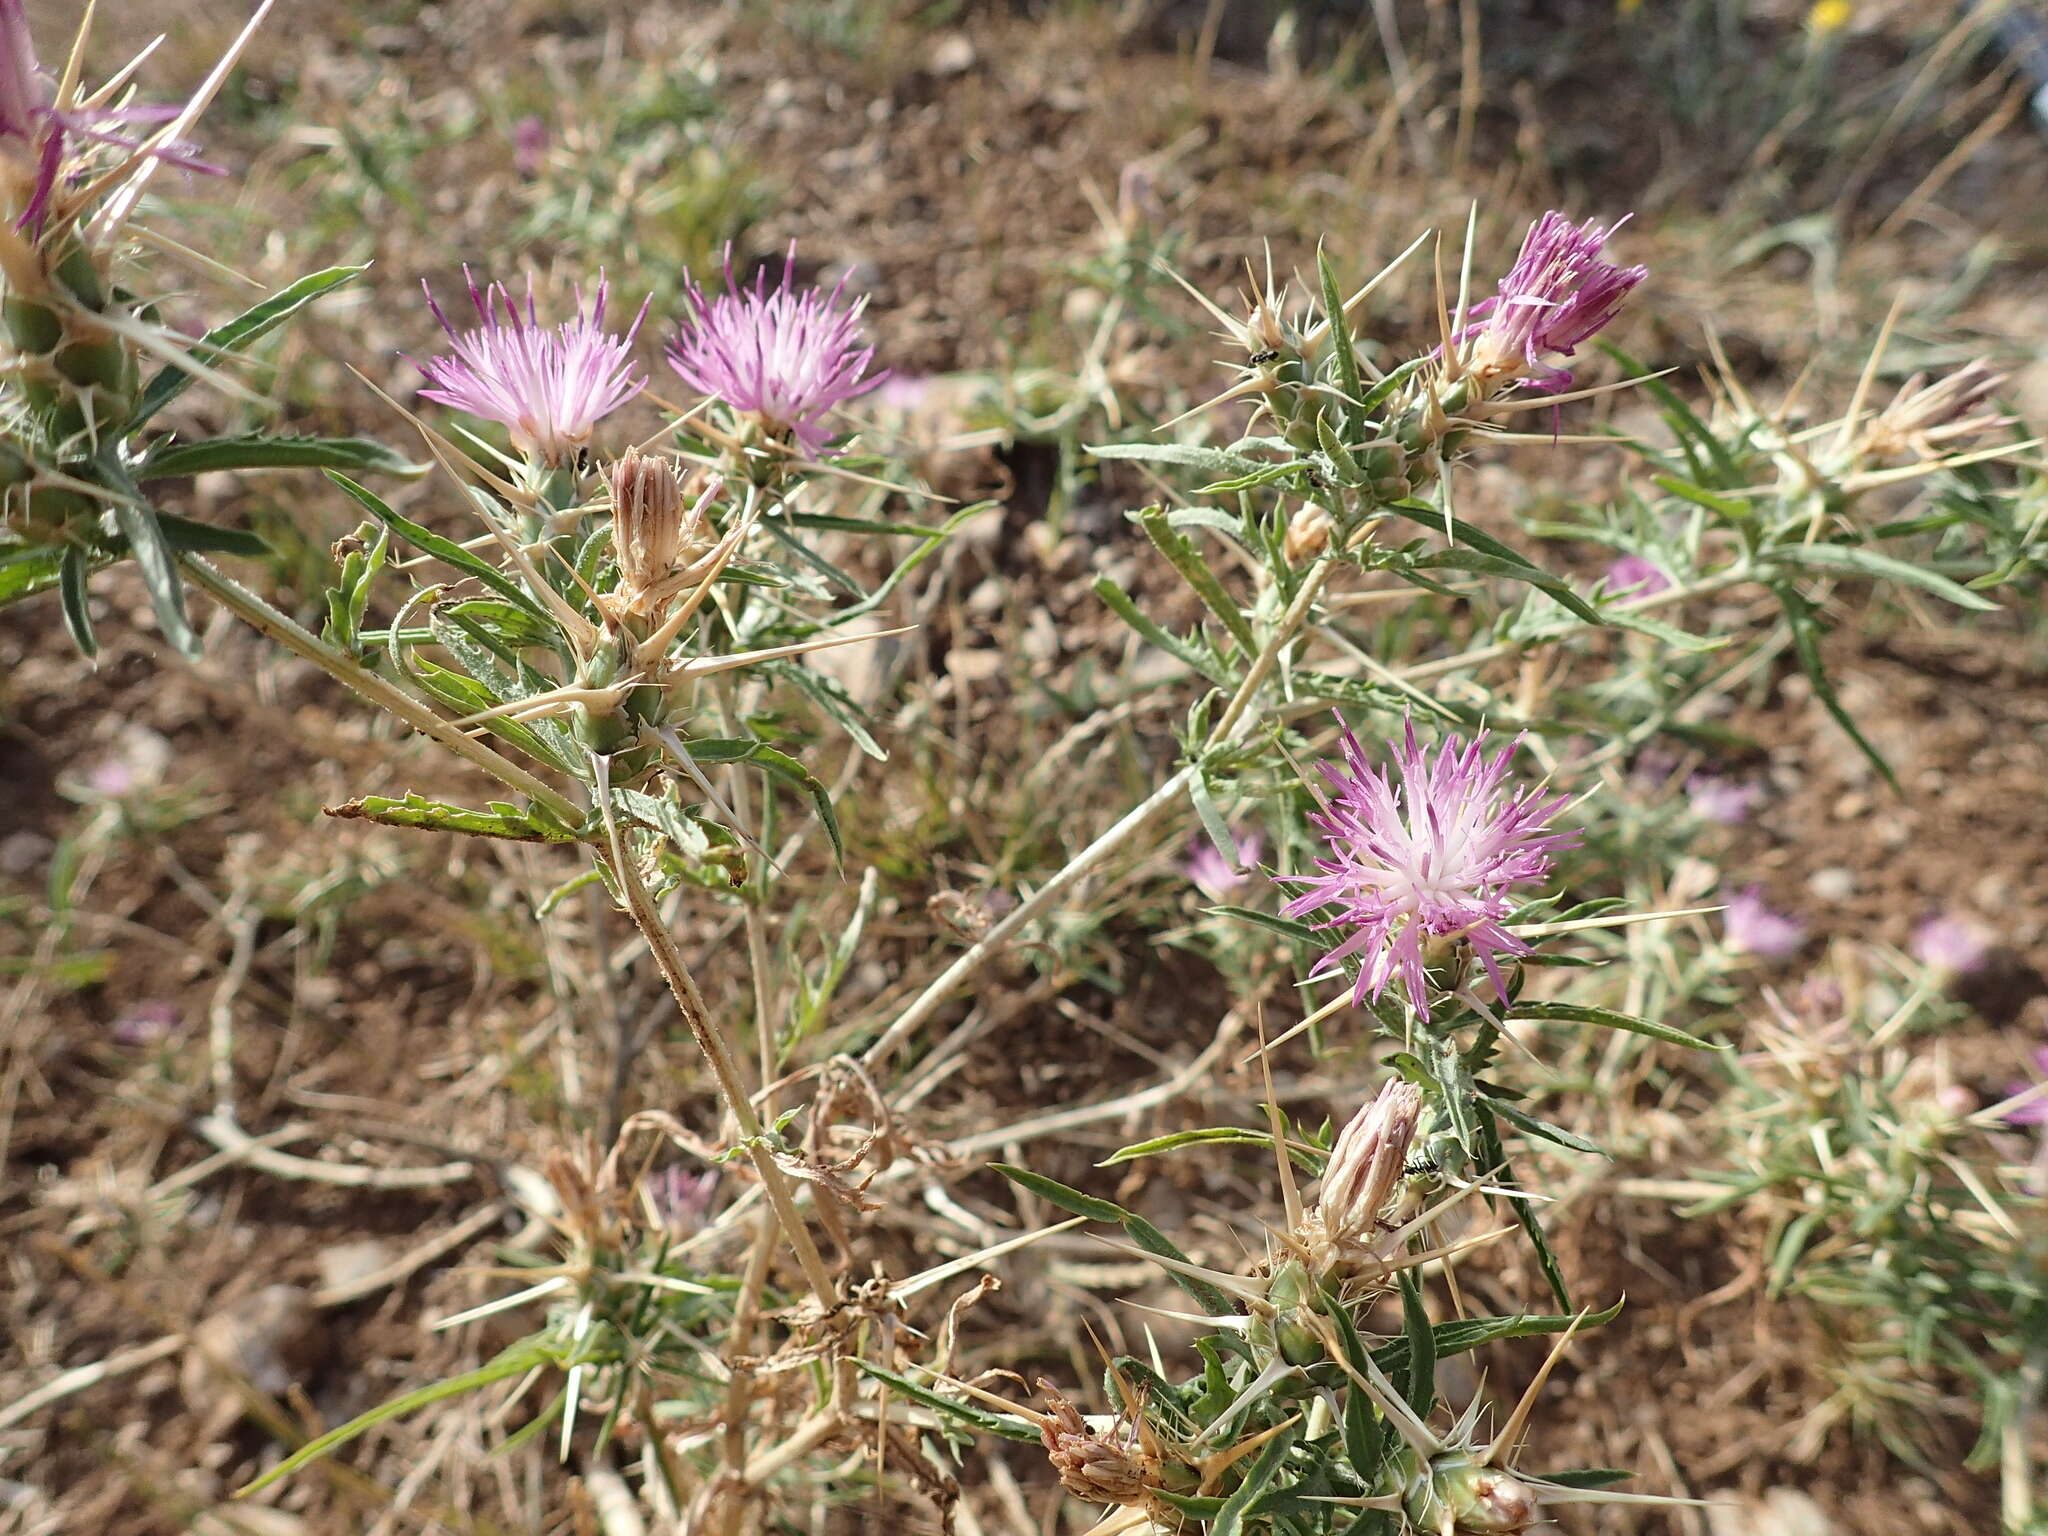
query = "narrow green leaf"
x=71 y=587
x=1495 y=1158
x=1543 y=1130
x=1607 y=1018
x=447 y=551
x=1469 y=1333
x=195 y=538
x=1230 y=1518
x=1420 y=1390
x=1186 y=559
x=1722 y=506
x=357 y=454
x=27 y=570
x=779 y=764
x=159 y=572
x=220 y=343
x=1855 y=560
x=1137 y=1228
x=1208 y=461
x=516 y=1361
x=500 y=819
x=1067 y=1199
x=1208 y=1136
x=1181 y=650
x=1286 y=927
x=1006 y=1425
x=1804 y=624
x=1340 y=330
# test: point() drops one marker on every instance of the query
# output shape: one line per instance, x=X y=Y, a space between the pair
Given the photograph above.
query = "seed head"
x=1560 y=293
x=785 y=357
x=550 y=384
x=1429 y=858
x=1925 y=419
x=1104 y=1468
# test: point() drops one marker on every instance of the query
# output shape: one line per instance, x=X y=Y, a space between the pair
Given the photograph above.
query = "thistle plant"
x=613 y=626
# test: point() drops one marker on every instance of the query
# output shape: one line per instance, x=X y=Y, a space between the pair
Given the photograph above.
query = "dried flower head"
x=1428 y=858
x=550 y=384
x=1102 y=1466
x=784 y=356
x=1755 y=929
x=1559 y=294
x=1926 y=420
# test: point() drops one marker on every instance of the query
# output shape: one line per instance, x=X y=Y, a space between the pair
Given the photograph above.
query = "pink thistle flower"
x=550 y=384
x=1755 y=929
x=529 y=145
x=1559 y=294
x=681 y=1201
x=1217 y=878
x=1727 y=801
x=29 y=116
x=1950 y=944
x=1633 y=576
x=1430 y=858
x=786 y=356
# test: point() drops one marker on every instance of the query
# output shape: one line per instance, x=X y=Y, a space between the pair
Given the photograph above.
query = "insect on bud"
x=1308 y=533
x=1367 y=1163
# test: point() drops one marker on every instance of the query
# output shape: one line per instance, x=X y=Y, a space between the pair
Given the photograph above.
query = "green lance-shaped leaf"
x=972 y=1415
x=1804 y=622
x=1207 y=461
x=780 y=765
x=1140 y=1231
x=1469 y=1333
x=447 y=551
x=358 y=455
x=1230 y=1520
x=1211 y=1136
x=1416 y=1333
x=222 y=342
x=159 y=566
x=1190 y=654
x=1494 y=1157
x=1607 y=1018
x=498 y=819
x=71 y=586
x=1194 y=570
x=1854 y=560
x=28 y=570
x=522 y=1357
x=1340 y=332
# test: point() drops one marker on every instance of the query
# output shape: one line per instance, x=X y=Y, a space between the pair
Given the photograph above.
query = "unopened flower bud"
x=1308 y=533
x=647 y=519
x=1367 y=1163
x=1924 y=419
x=1480 y=1500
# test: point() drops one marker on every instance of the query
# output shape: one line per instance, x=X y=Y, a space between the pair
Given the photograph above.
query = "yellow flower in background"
x=1829 y=16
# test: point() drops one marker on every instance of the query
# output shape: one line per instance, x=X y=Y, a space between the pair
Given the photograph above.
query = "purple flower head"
x=1956 y=945
x=29 y=116
x=1727 y=801
x=681 y=1201
x=1755 y=929
x=1558 y=295
x=1425 y=850
x=1633 y=576
x=785 y=355
x=529 y=145
x=551 y=384
x=1217 y=878
x=147 y=1023
x=2035 y=1110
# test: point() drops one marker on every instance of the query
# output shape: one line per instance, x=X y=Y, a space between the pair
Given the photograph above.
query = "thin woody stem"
x=711 y=1040
x=344 y=668
x=1229 y=727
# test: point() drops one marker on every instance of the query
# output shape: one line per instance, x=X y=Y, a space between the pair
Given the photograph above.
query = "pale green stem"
x=711 y=1040
x=344 y=668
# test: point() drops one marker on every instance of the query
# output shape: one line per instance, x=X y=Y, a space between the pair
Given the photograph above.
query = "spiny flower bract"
x=1424 y=850
x=785 y=355
x=550 y=384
